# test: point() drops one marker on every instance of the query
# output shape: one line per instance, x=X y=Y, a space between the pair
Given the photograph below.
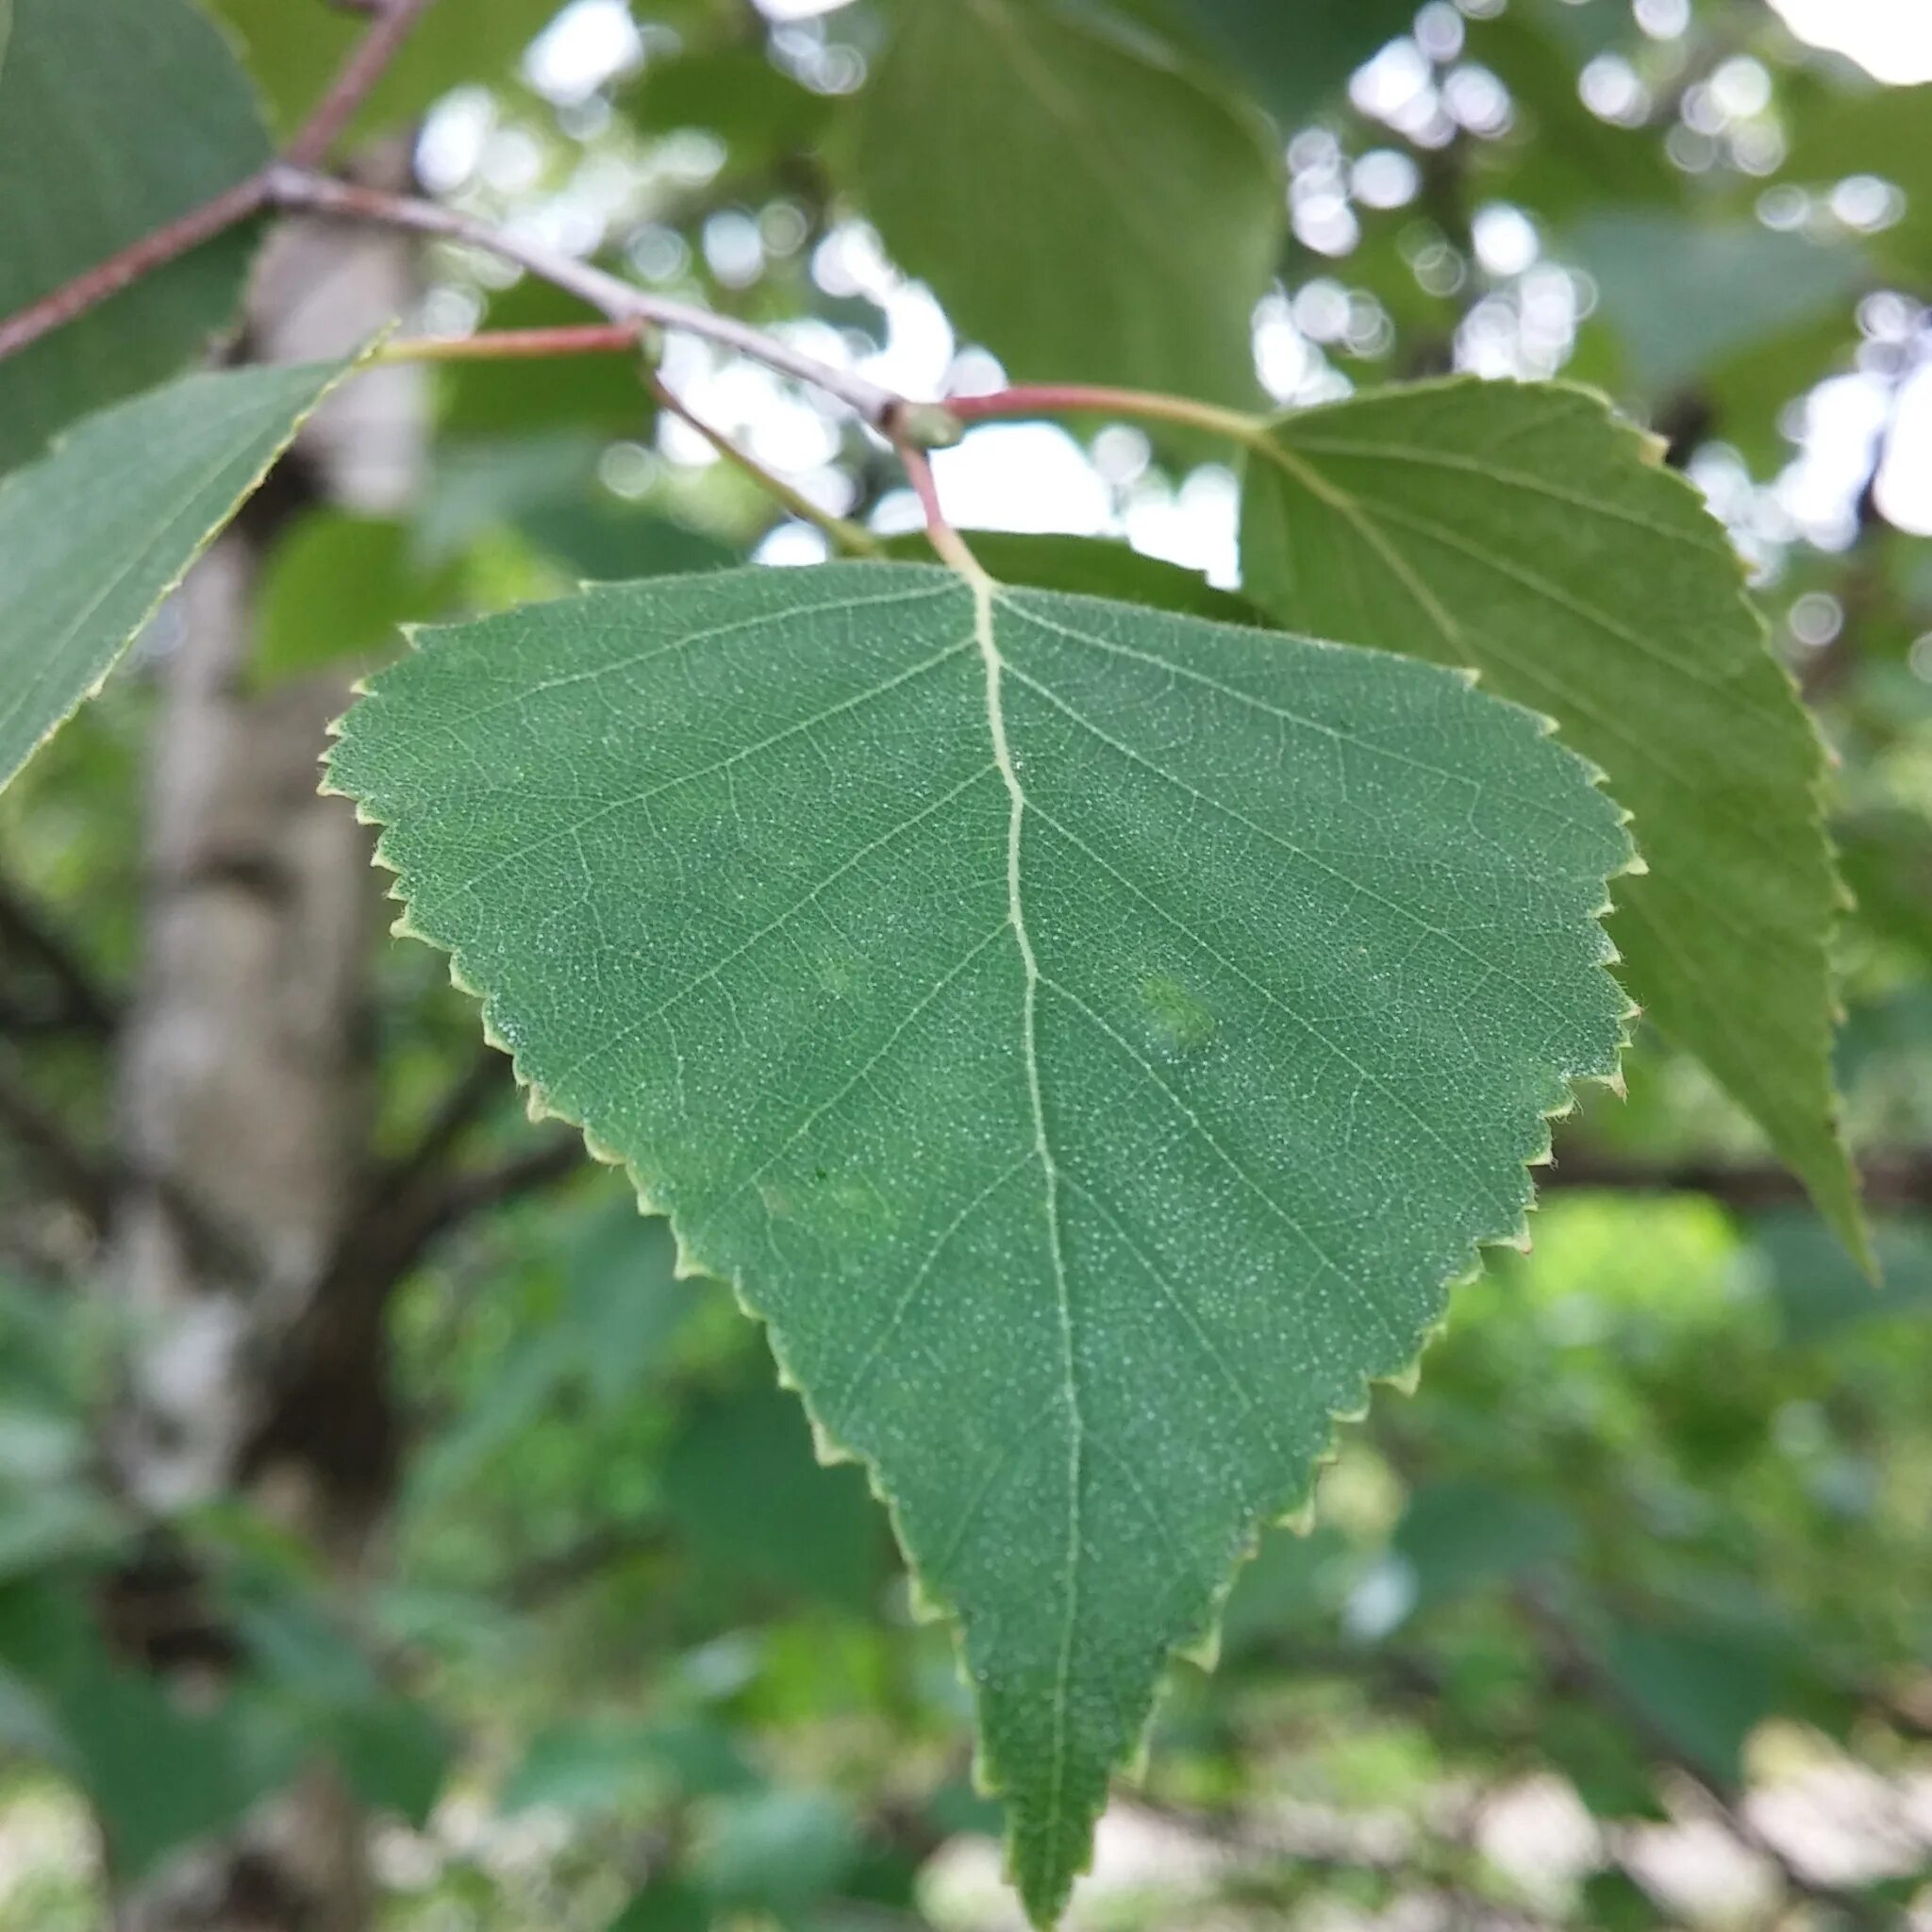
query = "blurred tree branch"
x=1574 y=1665
x=85 y=1181
x=24 y=934
x=1898 y=1180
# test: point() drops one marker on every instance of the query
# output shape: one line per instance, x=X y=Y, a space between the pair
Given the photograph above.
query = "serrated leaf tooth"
x=1299 y=1521
x=1404 y=1381
x=1204 y=1653
x=927 y=1608
x=827 y=1452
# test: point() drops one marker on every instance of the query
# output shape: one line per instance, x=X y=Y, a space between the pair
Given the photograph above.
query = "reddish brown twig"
x=1900 y=1179
x=350 y=87
x=367 y=63
x=152 y=251
x=843 y=536
x=619 y=300
x=946 y=541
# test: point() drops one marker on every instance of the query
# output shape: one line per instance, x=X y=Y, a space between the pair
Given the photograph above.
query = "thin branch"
x=292 y=184
x=414 y=1199
x=364 y=67
x=630 y=338
x=88 y=1184
x=842 y=535
x=384 y=1245
x=329 y=1339
x=547 y=1577
x=302 y=190
x=367 y=63
x=1899 y=1180
x=154 y=250
x=486 y=1079
x=555 y=1160
x=82 y=1002
x=1572 y=1662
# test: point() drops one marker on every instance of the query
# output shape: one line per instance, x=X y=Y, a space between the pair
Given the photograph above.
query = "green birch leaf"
x=1882 y=131
x=1087 y=211
x=337 y=585
x=1682 y=295
x=1090 y=1039
x=115 y=117
x=293 y=47
x=1090 y=567
x=1706 y=1690
x=1522 y=530
x=1291 y=58
x=487 y=400
x=96 y=532
x=741 y=1484
x=1558 y=157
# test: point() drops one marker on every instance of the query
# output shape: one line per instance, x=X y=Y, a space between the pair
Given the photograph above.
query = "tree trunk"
x=246 y=1102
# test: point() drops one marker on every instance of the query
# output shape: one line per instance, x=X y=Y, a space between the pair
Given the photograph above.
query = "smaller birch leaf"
x=1091 y=1038
x=97 y=531
x=1291 y=59
x=1521 y=528
x=1088 y=210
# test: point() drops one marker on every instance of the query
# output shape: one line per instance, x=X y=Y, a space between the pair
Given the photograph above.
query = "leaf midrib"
x=983 y=592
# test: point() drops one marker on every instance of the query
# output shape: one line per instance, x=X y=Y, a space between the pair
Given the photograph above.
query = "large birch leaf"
x=96 y=532
x=115 y=117
x=1522 y=529
x=1089 y=1037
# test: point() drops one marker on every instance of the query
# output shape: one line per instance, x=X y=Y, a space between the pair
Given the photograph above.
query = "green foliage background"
x=1651 y=1541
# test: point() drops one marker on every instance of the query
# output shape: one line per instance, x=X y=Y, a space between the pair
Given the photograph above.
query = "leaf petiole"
x=1074 y=399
